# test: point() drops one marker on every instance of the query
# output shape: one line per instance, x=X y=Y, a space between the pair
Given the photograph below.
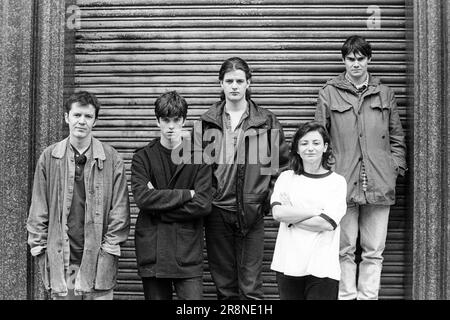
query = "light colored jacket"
x=364 y=128
x=107 y=217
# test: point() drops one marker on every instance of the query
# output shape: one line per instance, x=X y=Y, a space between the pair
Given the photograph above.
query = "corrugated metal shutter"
x=129 y=52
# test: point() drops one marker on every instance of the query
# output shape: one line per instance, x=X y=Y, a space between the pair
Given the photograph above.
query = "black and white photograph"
x=224 y=155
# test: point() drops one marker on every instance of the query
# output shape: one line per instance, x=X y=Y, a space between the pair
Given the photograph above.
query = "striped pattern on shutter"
x=129 y=52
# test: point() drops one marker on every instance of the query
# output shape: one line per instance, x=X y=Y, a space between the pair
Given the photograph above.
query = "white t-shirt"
x=299 y=252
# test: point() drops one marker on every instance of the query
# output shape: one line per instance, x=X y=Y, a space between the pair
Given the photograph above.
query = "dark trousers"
x=235 y=260
x=307 y=288
x=162 y=289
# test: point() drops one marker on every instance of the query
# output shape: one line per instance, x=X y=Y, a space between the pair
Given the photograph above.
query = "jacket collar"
x=97 y=150
x=153 y=142
x=342 y=83
x=214 y=115
x=179 y=167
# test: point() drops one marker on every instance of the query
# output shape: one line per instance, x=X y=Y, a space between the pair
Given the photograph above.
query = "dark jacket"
x=169 y=227
x=107 y=216
x=367 y=129
x=255 y=179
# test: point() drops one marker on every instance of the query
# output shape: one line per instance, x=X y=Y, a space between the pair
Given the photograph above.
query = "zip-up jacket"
x=255 y=178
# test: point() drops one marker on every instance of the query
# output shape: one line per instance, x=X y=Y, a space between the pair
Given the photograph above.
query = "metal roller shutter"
x=129 y=52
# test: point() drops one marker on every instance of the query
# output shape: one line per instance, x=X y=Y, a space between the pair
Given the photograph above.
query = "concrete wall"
x=430 y=234
x=15 y=148
x=31 y=118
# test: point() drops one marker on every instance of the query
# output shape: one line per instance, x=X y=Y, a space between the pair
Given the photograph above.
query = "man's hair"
x=171 y=104
x=296 y=162
x=232 y=64
x=84 y=98
x=356 y=44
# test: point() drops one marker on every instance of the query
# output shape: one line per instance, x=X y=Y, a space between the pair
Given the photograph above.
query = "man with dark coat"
x=173 y=194
x=246 y=145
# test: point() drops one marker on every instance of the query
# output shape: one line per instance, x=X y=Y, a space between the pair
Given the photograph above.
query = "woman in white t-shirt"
x=309 y=201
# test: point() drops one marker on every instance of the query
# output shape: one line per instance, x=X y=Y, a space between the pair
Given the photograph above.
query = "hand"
x=192 y=193
x=284 y=198
x=150 y=186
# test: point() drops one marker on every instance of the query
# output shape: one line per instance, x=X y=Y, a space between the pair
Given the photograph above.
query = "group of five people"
x=334 y=183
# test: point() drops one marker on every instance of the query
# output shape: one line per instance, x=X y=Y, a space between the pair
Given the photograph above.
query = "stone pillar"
x=31 y=99
x=15 y=147
x=430 y=270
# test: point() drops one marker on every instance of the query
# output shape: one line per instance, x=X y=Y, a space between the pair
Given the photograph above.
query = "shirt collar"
x=362 y=86
x=227 y=119
x=96 y=147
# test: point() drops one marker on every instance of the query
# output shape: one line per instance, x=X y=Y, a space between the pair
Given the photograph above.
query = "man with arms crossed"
x=173 y=197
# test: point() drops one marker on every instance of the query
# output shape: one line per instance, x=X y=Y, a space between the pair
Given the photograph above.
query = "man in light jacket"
x=79 y=214
x=369 y=146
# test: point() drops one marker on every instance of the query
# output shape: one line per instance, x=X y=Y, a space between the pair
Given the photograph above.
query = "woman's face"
x=311 y=147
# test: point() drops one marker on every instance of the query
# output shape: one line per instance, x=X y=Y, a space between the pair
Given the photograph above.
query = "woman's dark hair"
x=356 y=44
x=231 y=64
x=171 y=104
x=296 y=162
x=84 y=98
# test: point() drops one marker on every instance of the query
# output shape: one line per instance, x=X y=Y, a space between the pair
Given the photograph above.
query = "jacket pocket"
x=189 y=247
x=377 y=105
x=376 y=102
x=107 y=266
x=340 y=107
x=42 y=261
x=145 y=241
x=253 y=208
x=395 y=165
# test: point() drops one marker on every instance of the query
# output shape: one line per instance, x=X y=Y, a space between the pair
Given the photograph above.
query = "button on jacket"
x=107 y=216
x=364 y=128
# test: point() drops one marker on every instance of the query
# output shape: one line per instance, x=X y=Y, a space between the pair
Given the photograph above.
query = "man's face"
x=171 y=128
x=356 y=65
x=234 y=85
x=81 y=120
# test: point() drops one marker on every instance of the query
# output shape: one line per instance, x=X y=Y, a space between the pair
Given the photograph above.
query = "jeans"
x=235 y=260
x=161 y=288
x=372 y=223
x=307 y=288
x=71 y=274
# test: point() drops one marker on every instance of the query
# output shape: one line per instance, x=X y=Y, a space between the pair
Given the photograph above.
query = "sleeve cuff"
x=187 y=196
x=273 y=204
x=329 y=220
x=37 y=250
x=111 y=249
